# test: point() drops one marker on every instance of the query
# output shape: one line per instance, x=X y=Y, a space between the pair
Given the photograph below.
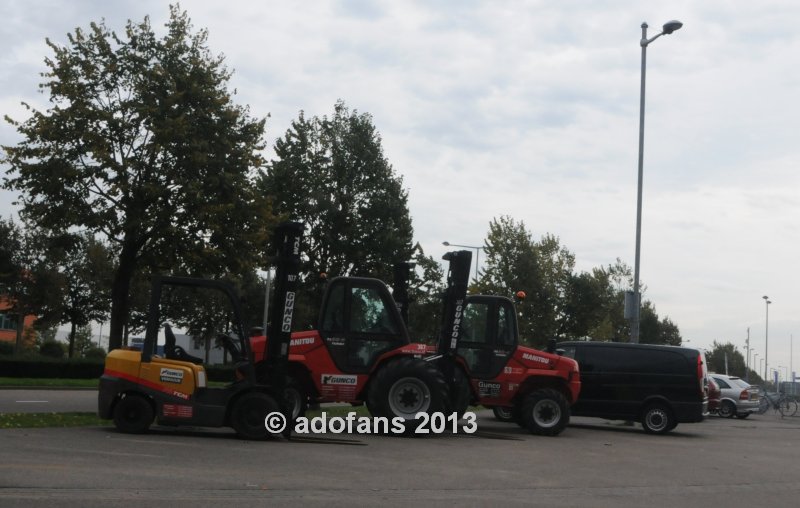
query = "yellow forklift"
x=138 y=387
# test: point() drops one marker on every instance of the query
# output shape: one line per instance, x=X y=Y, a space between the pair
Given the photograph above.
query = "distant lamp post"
x=766 y=338
x=755 y=362
x=477 y=253
x=667 y=29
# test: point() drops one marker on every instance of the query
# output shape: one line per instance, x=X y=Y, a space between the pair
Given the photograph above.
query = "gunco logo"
x=288 y=309
x=171 y=376
x=533 y=358
x=335 y=379
x=457 y=323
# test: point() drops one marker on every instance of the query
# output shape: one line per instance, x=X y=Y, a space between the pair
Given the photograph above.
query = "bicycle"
x=782 y=404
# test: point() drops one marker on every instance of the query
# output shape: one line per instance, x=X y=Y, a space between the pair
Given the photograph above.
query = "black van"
x=660 y=386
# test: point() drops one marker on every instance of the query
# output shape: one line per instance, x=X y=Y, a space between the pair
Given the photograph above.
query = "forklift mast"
x=454 y=300
x=288 y=236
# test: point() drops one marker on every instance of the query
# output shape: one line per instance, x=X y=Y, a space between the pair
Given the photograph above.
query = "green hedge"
x=76 y=368
x=81 y=368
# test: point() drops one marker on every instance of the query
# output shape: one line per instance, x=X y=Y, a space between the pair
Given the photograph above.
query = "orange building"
x=9 y=322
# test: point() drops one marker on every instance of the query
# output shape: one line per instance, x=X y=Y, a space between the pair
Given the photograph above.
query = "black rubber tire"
x=545 y=412
x=463 y=393
x=133 y=414
x=407 y=386
x=727 y=409
x=742 y=416
x=248 y=414
x=296 y=398
x=657 y=418
x=504 y=414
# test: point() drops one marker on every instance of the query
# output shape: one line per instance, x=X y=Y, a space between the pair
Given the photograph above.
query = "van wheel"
x=727 y=409
x=503 y=413
x=658 y=419
x=133 y=414
x=545 y=412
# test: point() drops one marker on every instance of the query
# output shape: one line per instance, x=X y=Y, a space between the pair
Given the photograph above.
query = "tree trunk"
x=71 y=339
x=20 y=326
x=120 y=297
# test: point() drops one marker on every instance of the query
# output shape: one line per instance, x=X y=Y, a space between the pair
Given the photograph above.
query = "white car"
x=738 y=398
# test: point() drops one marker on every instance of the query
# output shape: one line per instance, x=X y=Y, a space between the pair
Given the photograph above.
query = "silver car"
x=738 y=398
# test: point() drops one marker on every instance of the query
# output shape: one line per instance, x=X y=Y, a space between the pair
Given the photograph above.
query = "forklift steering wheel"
x=230 y=346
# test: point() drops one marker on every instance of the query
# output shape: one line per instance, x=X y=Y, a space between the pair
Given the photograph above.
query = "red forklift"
x=361 y=353
x=479 y=352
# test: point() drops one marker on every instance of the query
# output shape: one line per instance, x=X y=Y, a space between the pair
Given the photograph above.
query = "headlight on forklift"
x=201 y=379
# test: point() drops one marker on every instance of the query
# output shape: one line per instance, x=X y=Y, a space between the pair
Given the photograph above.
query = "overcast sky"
x=530 y=109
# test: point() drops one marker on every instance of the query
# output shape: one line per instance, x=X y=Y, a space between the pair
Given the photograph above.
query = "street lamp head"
x=446 y=244
x=671 y=26
x=765 y=297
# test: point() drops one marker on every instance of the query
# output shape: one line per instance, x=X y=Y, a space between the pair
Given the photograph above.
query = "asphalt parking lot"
x=719 y=462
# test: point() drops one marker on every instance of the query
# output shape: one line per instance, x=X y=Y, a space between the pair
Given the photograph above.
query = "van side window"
x=568 y=351
x=632 y=360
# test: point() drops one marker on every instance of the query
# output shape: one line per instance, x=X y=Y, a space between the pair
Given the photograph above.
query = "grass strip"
x=23 y=382
x=41 y=420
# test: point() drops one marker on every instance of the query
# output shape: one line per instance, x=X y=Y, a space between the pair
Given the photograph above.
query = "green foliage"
x=143 y=144
x=50 y=368
x=716 y=357
x=561 y=303
x=331 y=174
x=542 y=269
x=94 y=353
x=425 y=299
x=6 y=348
x=52 y=349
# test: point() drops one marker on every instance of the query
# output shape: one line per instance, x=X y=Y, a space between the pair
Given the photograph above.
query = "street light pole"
x=766 y=338
x=747 y=350
x=477 y=253
x=667 y=29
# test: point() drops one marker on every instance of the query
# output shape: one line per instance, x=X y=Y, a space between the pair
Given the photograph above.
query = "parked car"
x=738 y=398
x=714 y=395
x=660 y=386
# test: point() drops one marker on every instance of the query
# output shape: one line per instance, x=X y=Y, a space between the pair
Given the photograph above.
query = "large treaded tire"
x=133 y=414
x=463 y=393
x=407 y=386
x=296 y=398
x=248 y=414
x=504 y=414
x=545 y=412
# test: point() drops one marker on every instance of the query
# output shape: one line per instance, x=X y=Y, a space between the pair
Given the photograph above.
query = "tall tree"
x=143 y=144
x=543 y=269
x=721 y=353
x=30 y=285
x=331 y=174
x=86 y=266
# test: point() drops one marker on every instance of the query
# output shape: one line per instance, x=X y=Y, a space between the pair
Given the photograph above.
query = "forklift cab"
x=359 y=322
x=488 y=335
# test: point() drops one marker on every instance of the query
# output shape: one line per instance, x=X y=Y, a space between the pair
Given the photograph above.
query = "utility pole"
x=747 y=350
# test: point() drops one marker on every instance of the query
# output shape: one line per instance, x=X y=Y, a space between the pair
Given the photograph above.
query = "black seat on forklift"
x=175 y=352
